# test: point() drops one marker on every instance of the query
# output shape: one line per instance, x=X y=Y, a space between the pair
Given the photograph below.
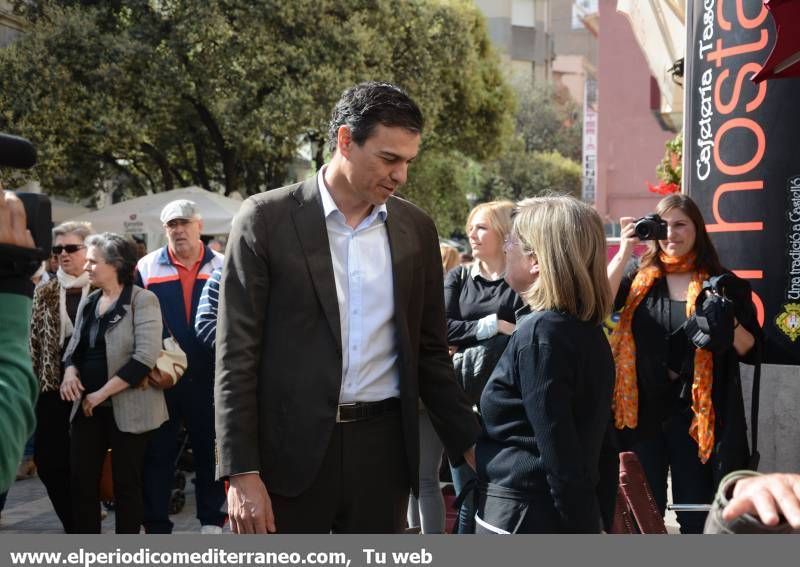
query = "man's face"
x=183 y=235
x=378 y=167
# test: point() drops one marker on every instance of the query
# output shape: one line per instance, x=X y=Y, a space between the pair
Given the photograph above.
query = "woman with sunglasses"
x=55 y=306
x=547 y=404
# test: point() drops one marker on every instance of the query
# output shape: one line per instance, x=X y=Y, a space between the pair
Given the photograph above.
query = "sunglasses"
x=68 y=248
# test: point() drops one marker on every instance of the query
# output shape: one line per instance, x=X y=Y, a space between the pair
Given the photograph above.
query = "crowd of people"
x=336 y=352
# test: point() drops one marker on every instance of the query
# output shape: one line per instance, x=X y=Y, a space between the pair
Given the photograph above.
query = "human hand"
x=159 y=380
x=628 y=239
x=504 y=327
x=249 y=505
x=765 y=497
x=469 y=457
x=91 y=401
x=13 y=222
x=71 y=387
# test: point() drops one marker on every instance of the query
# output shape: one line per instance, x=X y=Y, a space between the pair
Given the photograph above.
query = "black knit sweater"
x=545 y=411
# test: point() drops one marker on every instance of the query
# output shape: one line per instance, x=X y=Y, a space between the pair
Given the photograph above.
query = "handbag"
x=171 y=363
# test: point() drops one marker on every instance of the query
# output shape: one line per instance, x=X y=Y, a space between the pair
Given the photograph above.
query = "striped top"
x=205 y=322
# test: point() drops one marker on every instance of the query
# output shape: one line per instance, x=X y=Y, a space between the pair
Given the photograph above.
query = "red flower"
x=664 y=188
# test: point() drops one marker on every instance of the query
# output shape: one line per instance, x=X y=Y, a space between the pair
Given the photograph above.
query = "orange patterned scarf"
x=623 y=345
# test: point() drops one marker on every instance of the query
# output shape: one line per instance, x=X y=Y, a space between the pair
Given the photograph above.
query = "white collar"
x=475 y=271
x=329 y=205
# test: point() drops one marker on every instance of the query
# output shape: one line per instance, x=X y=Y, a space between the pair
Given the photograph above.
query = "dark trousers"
x=91 y=438
x=362 y=485
x=190 y=402
x=51 y=453
x=692 y=481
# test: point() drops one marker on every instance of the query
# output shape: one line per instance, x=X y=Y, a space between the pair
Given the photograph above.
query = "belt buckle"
x=339 y=418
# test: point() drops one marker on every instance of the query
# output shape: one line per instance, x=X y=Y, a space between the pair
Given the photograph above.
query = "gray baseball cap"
x=180 y=209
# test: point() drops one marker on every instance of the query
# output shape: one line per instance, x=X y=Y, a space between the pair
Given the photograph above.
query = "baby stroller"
x=184 y=463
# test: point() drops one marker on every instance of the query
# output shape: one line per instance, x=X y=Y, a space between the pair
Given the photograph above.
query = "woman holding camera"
x=547 y=404
x=679 y=407
x=116 y=343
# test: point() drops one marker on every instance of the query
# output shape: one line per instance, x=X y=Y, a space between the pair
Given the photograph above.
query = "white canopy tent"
x=141 y=215
x=64 y=210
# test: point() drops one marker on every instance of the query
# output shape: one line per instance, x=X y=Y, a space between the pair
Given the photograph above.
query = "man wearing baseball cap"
x=176 y=273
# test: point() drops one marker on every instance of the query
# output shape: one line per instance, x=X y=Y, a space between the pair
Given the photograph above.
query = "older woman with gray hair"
x=116 y=343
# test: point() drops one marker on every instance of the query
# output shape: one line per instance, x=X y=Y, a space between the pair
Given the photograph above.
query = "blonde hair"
x=450 y=257
x=567 y=238
x=499 y=215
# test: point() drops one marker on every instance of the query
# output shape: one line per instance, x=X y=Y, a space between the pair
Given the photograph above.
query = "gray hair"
x=80 y=229
x=118 y=251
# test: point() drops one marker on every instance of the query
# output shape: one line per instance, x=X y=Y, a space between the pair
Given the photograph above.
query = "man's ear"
x=200 y=225
x=344 y=139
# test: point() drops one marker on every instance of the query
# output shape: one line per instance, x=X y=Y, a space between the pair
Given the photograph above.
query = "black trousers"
x=674 y=450
x=362 y=485
x=91 y=438
x=51 y=453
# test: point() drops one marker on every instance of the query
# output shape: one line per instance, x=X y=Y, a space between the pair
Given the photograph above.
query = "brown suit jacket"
x=279 y=351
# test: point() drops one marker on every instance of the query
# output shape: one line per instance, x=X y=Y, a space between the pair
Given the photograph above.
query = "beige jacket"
x=138 y=335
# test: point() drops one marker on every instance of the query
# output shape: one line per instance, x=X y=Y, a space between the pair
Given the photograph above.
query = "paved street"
x=28 y=510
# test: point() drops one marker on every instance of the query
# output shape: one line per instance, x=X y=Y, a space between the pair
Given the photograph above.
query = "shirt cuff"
x=133 y=372
x=487 y=327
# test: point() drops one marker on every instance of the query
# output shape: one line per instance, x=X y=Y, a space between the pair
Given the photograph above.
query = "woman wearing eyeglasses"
x=548 y=402
x=55 y=306
x=479 y=306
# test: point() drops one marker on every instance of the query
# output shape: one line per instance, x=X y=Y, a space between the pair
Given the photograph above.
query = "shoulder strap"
x=754 y=401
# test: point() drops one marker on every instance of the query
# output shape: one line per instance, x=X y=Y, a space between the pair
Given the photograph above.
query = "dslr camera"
x=650 y=227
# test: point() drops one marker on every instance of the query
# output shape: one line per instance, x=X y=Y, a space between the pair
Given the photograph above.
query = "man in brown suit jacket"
x=331 y=328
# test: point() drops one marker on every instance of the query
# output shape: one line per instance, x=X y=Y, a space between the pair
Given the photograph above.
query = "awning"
x=784 y=61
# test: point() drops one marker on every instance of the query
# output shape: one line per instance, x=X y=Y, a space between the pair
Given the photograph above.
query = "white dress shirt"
x=362 y=268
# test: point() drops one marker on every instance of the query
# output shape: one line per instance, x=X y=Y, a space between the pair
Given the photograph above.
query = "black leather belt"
x=359 y=411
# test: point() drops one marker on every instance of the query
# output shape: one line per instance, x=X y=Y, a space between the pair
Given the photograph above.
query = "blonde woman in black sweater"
x=548 y=402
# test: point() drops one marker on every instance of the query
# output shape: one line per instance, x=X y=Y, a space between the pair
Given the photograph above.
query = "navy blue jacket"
x=157 y=273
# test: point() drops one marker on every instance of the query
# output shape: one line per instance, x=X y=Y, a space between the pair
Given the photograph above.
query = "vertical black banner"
x=742 y=159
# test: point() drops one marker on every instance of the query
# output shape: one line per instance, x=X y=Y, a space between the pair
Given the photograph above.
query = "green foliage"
x=138 y=96
x=520 y=174
x=670 y=170
x=439 y=182
x=548 y=120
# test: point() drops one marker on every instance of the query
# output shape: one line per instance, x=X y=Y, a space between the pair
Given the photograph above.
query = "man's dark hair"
x=366 y=105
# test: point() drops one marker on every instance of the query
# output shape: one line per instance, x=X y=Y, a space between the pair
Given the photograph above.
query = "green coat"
x=18 y=385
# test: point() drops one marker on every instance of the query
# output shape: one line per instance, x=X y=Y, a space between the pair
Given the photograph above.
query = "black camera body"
x=650 y=227
x=19 y=153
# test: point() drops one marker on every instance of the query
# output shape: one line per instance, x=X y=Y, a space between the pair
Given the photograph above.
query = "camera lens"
x=644 y=230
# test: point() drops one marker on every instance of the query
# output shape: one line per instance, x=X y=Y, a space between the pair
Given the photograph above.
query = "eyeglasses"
x=510 y=242
x=68 y=248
